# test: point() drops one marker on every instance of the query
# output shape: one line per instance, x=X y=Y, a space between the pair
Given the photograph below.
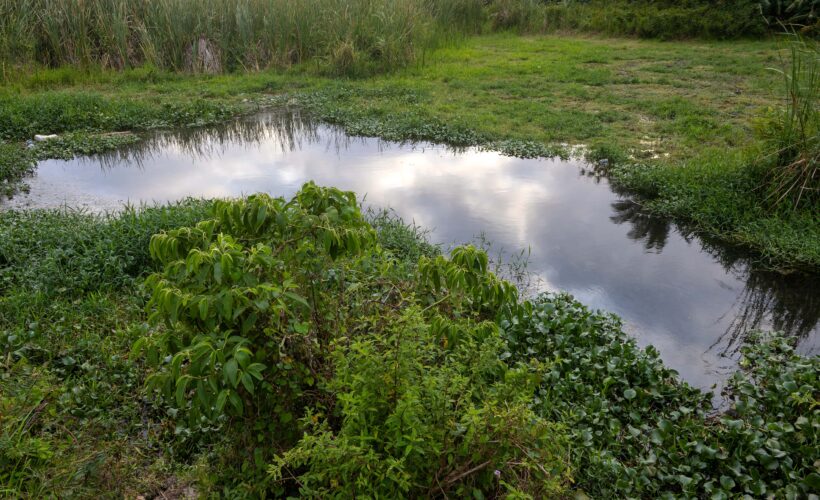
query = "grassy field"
x=671 y=98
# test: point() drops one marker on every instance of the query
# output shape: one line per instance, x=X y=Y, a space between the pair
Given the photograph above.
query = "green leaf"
x=298 y=298
x=630 y=394
x=255 y=369
x=247 y=381
x=202 y=393
x=221 y=399
x=203 y=309
x=242 y=356
x=236 y=402
x=230 y=371
x=182 y=385
x=813 y=481
x=218 y=272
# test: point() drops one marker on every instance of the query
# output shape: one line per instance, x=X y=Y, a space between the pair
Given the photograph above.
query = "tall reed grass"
x=793 y=133
x=340 y=35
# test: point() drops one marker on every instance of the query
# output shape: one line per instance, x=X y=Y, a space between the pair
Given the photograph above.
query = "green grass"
x=686 y=111
x=71 y=306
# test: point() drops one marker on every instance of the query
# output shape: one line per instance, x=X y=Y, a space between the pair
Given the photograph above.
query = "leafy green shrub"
x=244 y=299
x=663 y=19
x=418 y=420
x=408 y=242
x=799 y=14
x=268 y=311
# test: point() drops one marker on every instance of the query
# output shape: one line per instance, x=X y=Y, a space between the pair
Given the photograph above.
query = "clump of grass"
x=793 y=134
x=15 y=164
x=58 y=112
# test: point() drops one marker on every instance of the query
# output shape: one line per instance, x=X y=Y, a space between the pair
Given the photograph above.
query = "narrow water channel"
x=694 y=300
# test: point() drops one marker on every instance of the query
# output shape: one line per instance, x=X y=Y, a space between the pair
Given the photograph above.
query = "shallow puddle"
x=691 y=299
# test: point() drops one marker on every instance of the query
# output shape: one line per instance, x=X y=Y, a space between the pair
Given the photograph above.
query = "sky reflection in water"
x=692 y=299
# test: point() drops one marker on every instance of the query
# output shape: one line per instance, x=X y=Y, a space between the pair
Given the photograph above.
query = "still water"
x=692 y=299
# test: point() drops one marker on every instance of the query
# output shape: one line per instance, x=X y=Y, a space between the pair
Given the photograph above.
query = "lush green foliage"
x=73 y=144
x=239 y=294
x=273 y=307
x=375 y=366
x=70 y=309
x=724 y=196
x=69 y=252
x=663 y=19
x=70 y=424
x=639 y=432
x=797 y=14
x=421 y=420
x=666 y=19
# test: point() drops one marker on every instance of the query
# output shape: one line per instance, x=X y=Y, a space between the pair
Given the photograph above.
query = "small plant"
x=419 y=420
x=240 y=296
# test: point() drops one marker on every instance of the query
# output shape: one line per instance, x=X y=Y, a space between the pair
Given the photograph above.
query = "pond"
x=692 y=299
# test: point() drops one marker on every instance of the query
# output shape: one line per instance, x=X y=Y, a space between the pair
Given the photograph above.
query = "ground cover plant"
x=375 y=366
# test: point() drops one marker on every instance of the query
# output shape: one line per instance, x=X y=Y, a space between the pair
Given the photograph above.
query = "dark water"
x=691 y=299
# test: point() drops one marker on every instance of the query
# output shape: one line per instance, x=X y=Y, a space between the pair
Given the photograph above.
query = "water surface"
x=692 y=299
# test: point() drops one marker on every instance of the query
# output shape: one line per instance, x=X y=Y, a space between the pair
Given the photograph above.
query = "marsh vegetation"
x=275 y=346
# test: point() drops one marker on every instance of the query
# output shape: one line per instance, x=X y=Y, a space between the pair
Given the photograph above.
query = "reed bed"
x=341 y=36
